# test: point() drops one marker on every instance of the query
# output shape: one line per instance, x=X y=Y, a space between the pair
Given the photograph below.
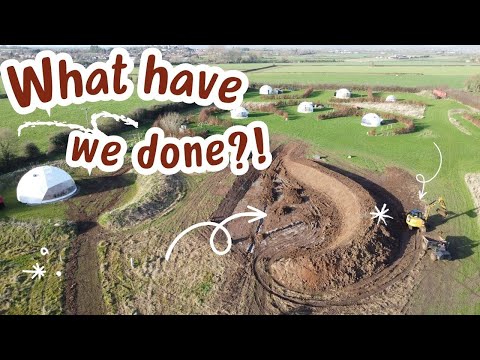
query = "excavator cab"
x=415 y=220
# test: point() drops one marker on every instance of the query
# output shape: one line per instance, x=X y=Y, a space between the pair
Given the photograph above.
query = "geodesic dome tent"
x=343 y=94
x=268 y=90
x=239 y=113
x=305 y=107
x=44 y=185
x=391 y=98
x=371 y=120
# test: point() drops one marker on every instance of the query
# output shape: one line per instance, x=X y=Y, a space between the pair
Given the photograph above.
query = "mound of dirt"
x=345 y=246
x=155 y=194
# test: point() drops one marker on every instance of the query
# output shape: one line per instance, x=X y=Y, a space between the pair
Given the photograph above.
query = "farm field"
x=391 y=75
x=134 y=276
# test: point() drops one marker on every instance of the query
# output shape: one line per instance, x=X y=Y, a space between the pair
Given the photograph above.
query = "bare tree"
x=170 y=123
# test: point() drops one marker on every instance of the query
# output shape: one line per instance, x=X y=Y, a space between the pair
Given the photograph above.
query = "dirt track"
x=97 y=195
x=319 y=251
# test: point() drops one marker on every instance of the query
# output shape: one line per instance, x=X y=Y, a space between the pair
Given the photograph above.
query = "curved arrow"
x=421 y=179
x=255 y=213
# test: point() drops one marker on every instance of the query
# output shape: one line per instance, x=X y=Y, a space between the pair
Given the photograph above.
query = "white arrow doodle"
x=421 y=179
x=255 y=213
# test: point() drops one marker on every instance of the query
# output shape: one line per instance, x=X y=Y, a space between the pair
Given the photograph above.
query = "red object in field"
x=440 y=94
x=2 y=204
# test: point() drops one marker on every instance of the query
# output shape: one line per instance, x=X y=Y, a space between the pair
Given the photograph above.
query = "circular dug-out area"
x=320 y=246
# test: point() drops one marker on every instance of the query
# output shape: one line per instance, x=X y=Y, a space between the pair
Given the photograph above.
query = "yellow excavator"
x=415 y=218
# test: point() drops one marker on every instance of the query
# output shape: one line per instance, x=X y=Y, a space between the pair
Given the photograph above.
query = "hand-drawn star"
x=37 y=271
x=381 y=214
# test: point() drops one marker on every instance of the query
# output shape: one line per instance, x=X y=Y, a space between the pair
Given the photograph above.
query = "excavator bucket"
x=442 y=212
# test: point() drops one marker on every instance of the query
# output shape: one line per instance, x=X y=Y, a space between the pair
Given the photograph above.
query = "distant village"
x=177 y=54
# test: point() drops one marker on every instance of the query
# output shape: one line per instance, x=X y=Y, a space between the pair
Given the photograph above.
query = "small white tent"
x=239 y=113
x=391 y=98
x=343 y=94
x=371 y=120
x=268 y=90
x=45 y=184
x=305 y=107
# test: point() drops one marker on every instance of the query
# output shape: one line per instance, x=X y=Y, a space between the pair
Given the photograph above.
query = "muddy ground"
x=318 y=250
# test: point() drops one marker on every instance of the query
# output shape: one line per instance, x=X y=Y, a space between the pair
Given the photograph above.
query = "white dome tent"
x=371 y=120
x=44 y=185
x=391 y=98
x=268 y=90
x=305 y=107
x=343 y=94
x=239 y=113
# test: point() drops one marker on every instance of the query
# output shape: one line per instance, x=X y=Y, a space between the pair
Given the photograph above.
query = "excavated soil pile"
x=318 y=246
x=342 y=244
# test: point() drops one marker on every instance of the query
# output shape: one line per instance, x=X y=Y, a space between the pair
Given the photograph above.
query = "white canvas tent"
x=305 y=107
x=343 y=94
x=371 y=120
x=268 y=90
x=44 y=185
x=239 y=113
x=391 y=98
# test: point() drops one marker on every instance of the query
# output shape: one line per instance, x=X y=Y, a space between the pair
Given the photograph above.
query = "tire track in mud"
x=83 y=292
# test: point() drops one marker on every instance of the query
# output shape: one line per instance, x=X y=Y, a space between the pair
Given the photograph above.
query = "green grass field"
x=452 y=76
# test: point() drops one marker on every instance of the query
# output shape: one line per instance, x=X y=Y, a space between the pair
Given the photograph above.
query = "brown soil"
x=97 y=195
x=319 y=248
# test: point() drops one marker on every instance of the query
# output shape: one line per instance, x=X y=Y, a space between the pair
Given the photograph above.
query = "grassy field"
x=21 y=243
x=398 y=75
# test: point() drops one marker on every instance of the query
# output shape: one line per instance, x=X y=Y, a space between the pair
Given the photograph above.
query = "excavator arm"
x=442 y=210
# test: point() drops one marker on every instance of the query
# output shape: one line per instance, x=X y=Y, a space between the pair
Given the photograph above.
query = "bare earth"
x=473 y=183
x=415 y=111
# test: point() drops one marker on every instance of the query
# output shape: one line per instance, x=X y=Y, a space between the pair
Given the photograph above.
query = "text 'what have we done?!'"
x=55 y=79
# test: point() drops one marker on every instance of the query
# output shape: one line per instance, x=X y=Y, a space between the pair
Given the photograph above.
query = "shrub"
x=170 y=123
x=473 y=84
x=268 y=107
x=409 y=123
x=109 y=126
x=8 y=149
x=308 y=91
x=58 y=142
x=357 y=87
x=32 y=151
x=466 y=98
x=139 y=114
x=341 y=111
